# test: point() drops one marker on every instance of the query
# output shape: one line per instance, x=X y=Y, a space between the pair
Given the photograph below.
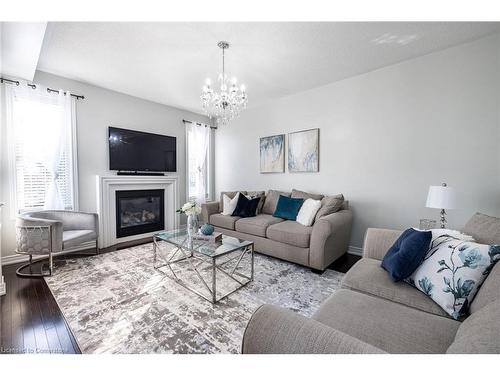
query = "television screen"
x=131 y=150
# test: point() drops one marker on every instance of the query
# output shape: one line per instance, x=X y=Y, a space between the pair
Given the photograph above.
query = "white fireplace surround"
x=107 y=186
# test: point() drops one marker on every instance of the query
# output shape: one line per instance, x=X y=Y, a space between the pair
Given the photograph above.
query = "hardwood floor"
x=344 y=263
x=31 y=321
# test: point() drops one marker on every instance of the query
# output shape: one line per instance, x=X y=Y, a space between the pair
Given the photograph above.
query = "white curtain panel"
x=200 y=136
x=52 y=155
x=8 y=100
x=54 y=116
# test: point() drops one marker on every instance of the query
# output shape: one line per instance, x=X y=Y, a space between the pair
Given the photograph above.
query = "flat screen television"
x=131 y=150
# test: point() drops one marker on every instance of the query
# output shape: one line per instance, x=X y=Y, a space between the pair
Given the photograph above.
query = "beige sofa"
x=315 y=247
x=372 y=314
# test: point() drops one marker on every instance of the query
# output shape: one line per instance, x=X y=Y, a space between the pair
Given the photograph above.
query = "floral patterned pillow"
x=452 y=272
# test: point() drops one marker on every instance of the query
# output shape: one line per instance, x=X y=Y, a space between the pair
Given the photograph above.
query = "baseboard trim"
x=354 y=250
x=21 y=258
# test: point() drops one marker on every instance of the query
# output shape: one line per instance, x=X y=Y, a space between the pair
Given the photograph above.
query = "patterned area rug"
x=118 y=303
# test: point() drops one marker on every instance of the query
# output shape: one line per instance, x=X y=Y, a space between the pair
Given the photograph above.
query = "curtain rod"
x=198 y=123
x=33 y=86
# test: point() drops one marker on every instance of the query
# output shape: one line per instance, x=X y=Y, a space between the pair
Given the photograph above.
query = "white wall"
x=385 y=136
x=100 y=109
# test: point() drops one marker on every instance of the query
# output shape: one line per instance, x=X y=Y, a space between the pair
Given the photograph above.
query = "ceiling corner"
x=20 y=47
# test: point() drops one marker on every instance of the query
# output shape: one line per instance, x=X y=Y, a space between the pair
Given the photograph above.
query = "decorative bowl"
x=207 y=229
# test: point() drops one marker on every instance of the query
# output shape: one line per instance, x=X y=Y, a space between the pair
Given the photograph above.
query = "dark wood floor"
x=31 y=321
x=344 y=263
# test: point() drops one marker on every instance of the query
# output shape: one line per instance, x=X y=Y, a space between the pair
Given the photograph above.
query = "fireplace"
x=139 y=211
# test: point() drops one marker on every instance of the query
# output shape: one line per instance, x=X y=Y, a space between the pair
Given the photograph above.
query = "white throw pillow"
x=452 y=272
x=308 y=211
x=230 y=204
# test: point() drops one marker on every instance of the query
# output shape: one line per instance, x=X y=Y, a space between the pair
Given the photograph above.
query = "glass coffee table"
x=229 y=258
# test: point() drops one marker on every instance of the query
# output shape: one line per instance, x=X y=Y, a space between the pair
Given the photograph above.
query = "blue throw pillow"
x=288 y=208
x=407 y=253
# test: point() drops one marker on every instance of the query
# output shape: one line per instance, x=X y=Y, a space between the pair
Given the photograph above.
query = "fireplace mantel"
x=107 y=186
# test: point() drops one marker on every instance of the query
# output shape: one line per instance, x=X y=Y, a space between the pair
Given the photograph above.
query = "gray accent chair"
x=373 y=314
x=51 y=233
x=316 y=247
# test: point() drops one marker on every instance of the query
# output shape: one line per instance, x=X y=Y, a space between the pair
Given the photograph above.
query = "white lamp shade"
x=441 y=197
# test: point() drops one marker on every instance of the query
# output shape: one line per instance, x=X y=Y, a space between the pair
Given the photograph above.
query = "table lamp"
x=442 y=197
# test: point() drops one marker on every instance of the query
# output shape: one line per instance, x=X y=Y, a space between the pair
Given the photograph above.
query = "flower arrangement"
x=190 y=208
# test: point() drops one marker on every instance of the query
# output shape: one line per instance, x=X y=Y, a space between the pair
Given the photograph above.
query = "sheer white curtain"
x=51 y=156
x=42 y=148
x=198 y=139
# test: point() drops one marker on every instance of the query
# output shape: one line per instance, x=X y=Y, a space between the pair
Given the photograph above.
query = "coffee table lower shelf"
x=194 y=260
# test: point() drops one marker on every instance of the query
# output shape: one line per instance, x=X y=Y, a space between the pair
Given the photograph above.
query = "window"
x=199 y=163
x=42 y=151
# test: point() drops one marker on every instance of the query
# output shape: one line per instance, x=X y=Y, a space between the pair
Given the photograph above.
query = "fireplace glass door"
x=139 y=211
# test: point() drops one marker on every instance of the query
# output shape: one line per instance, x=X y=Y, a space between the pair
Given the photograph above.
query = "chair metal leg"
x=51 y=263
x=97 y=246
x=20 y=271
x=35 y=232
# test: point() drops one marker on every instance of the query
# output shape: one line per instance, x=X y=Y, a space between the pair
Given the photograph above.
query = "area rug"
x=118 y=303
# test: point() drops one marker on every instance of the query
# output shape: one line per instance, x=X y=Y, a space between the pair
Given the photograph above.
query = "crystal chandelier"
x=227 y=103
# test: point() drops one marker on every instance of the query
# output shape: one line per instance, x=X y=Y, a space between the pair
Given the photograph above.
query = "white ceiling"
x=168 y=62
x=20 y=44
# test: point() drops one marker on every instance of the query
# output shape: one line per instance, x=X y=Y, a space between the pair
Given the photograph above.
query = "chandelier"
x=227 y=103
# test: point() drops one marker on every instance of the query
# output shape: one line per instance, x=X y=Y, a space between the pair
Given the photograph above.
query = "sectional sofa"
x=372 y=314
x=315 y=247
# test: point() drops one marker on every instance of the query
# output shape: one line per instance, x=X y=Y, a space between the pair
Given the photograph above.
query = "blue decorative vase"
x=207 y=229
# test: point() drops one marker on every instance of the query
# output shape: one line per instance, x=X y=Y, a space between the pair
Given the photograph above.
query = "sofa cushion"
x=368 y=277
x=329 y=205
x=76 y=237
x=479 y=333
x=485 y=229
x=256 y=225
x=230 y=194
x=390 y=326
x=290 y=232
x=272 y=248
x=489 y=291
x=403 y=258
x=272 y=200
x=304 y=195
x=345 y=205
x=223 y=221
